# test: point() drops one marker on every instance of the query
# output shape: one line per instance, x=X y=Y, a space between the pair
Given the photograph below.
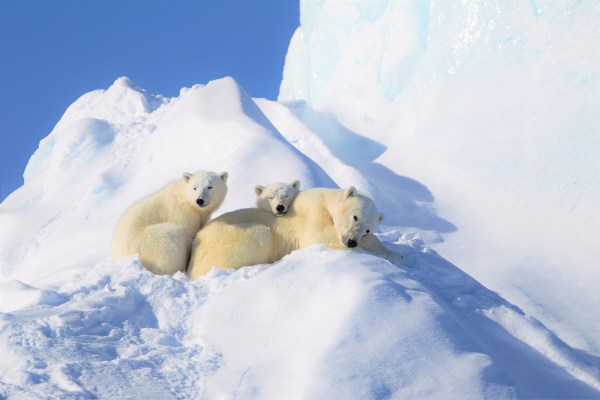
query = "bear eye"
x=195 y=187
x=368 y=231
x=210 y=187
x=355 y=218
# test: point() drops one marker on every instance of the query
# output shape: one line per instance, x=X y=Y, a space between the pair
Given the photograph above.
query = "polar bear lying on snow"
x=337 y=218
x=161 y=226
x=276 y=197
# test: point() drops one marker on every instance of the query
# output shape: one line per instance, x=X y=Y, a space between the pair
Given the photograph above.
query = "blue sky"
x=52 y=52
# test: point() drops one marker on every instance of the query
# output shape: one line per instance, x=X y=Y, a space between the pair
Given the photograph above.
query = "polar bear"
x=276 y=197
x=161 y=227
x=337 y=218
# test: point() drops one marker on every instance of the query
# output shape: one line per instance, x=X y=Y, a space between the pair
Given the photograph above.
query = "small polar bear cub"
x=160 y=227
x=277 y=197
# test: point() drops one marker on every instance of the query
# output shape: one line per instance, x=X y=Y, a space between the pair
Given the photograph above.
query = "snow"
x=289 y=340
x=454 y=319
x=493 y=108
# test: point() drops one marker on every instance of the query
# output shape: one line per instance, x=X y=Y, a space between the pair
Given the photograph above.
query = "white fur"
x=277 y=197
x=161 y=227
x=254 y=236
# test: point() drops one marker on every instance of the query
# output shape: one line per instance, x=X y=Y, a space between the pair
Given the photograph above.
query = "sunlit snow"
x=422 y=106
x=493 y=106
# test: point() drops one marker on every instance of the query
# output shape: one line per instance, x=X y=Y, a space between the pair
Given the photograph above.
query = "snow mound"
x=317 y=324
x=493 y=107
x=121 y=103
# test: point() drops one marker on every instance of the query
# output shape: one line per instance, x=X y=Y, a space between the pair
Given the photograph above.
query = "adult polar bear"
x=161 y=227
x=337 y=218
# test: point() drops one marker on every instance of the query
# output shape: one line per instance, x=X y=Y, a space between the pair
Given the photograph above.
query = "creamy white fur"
x=161 y=227
x=276 y=197
x=332 y=217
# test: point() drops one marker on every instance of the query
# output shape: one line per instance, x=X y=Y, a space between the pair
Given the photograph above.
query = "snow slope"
x=490 y=105
x=317 y=324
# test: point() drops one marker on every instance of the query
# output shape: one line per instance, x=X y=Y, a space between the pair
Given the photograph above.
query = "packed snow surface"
x=320 y=323
x=494 y=107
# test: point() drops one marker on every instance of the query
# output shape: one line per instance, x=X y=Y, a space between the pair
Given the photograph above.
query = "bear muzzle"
x=348 y=241
x=201 y=203
x=280 y=209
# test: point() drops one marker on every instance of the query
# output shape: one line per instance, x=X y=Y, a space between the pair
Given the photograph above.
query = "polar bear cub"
x=276 y=197
x=161 y=227
x=337 y=218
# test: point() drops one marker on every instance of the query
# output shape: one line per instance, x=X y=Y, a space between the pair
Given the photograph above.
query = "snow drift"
x=493 y=106
x=316 y=323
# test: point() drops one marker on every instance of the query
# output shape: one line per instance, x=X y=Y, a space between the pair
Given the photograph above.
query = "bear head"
x=355 y=217
x=277 y=197
x=205 y=189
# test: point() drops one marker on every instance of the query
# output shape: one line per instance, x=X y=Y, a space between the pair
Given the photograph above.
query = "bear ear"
x=296 y=184
x=381 y=218
x=350 y=192
x=186 y=176
x=224 y=176
x=258 y=189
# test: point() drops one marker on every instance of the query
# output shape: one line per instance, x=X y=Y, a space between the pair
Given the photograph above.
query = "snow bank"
x=319 y=323
x=336 y=324
x=97 y=167
x=494 y=108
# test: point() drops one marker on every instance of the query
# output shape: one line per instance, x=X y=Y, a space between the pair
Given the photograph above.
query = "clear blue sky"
x=52 y=52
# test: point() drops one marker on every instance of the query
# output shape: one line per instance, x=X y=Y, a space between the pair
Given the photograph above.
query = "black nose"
x=200 y=202
x=280 y=208
x=352 y=243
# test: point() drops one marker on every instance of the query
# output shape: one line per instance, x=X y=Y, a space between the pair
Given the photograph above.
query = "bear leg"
x=164 y=248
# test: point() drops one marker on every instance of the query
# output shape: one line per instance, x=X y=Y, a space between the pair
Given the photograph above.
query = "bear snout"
x=351 y=243
x=280 y=208
x=200 y=202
